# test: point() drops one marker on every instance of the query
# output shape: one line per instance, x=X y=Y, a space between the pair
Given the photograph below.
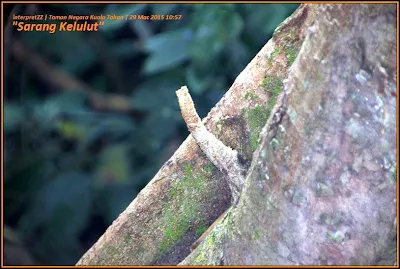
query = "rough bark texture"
x=321 y=188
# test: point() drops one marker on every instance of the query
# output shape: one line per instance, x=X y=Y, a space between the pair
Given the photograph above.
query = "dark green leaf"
x=210 y=38
x=55 y=246
x=61 y=44
x=196 y=83
x=125 y=48
x=60 y=104
x=68 y=197
x=160 y=125
x=13 y=115
x=82 y=58
x=167 y=50
x=155 y=94
x=114 y=126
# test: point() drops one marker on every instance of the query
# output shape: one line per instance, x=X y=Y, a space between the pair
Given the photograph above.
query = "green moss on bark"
x=257 y=117
x=188 y=189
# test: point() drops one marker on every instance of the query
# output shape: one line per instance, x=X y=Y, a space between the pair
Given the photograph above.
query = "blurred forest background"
x=90 y=117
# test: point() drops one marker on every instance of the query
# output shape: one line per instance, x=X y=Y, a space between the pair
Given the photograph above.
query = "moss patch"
x=228 y=221
x=202 y=257
x=257 y=234
x=257 y=117
x=249 y=95
x=272 y=85
x=210 y=240
x=200 y=230
x=291 y=53
x=215 y=242
x=289 y=43
x=275 y=53
x=178 y=222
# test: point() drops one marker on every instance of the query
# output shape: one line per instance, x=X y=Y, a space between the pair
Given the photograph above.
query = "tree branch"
x=223 y=157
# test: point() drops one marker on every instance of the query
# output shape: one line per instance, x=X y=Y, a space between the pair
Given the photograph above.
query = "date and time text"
x=52 y=23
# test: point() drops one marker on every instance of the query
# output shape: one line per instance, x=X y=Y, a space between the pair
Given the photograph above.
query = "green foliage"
x=72 y=165
x=61 y=209
x=167 y=50
x=13 y=116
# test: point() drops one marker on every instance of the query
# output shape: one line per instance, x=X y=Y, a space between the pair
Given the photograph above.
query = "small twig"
x=223 y=157
x=64 y=81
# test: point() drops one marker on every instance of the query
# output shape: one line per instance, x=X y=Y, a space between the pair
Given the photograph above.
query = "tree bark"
x=321 y=187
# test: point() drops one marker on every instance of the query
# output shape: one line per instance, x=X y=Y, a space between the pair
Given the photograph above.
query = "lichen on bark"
x=320 y=187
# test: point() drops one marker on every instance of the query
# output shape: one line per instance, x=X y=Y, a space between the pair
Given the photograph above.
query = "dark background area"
x=90 y=117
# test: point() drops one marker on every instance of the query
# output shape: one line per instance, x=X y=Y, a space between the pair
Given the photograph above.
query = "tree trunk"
x=321 y=187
